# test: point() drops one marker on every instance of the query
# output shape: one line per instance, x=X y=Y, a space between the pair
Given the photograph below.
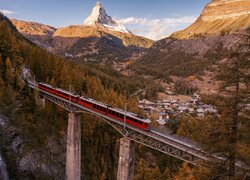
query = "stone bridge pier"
x=126 y=160
x=73 y=155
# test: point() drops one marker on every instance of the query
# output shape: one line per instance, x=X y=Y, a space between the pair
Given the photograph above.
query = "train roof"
x=94 y=101
x=46 y=84
x=131 y=114
x=67 y=92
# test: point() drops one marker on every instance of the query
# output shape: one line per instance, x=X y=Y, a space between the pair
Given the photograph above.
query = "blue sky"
x=151 y=18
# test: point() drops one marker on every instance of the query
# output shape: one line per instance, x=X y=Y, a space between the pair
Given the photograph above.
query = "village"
x=167 y=109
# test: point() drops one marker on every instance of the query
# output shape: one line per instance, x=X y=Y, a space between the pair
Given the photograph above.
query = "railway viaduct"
x=171 y=145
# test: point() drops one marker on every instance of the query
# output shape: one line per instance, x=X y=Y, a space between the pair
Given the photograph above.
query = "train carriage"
x=67 y=95
x=115 y=113
x=46 y=87
x=100 y=107
x=129 y=118
x=86 y=102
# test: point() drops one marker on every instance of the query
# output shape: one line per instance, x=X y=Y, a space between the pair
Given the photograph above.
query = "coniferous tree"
x=234 y=77
x=9 y=75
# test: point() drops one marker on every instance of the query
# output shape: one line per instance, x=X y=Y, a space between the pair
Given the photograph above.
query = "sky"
x=153 y=19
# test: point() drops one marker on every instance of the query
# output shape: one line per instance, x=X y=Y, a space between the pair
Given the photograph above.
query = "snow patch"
x=100 y=17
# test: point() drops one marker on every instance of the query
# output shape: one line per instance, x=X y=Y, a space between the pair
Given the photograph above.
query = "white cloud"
x=7 y=12
x=157 y=28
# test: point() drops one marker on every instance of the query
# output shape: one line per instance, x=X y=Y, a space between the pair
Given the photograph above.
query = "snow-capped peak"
x=100 y=17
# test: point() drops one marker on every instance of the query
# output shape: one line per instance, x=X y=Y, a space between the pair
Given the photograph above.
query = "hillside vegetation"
x=186 y=57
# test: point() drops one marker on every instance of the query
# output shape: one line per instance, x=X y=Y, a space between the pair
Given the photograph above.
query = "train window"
x=94 y=106
x=122 y=116
x=136 y=121
x=140 y=122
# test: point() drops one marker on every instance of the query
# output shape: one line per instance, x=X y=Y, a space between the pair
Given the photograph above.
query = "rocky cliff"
x=219 y=17
x=46 y=162
x=99 y=18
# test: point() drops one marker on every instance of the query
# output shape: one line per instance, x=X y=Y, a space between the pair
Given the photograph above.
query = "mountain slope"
x=192 y=54
x=219 y=17
x=185 y=57
x=100 y=38
x=87 y=42
x=38 y=33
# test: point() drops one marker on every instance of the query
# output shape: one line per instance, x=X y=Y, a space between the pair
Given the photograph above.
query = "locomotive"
x=99 y=107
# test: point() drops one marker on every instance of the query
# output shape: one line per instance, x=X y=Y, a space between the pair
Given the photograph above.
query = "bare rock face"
x=99 y=18
x=219 y=17
x=46 y=162
x=3 y=171
x=225 y=9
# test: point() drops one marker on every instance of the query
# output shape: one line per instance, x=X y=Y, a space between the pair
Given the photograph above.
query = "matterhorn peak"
x=100 y=18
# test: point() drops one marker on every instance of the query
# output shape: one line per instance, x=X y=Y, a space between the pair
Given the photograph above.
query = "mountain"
x=219 y=17
x=38 y=33
x=99 y=18
x=100 y=38
x=198 y=53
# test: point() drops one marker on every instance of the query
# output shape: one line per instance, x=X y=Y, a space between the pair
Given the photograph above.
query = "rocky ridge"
x=99 y=18
x=38 y=33
x=219 y=17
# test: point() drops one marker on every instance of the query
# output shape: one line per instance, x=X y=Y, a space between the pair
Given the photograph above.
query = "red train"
x=115 y=113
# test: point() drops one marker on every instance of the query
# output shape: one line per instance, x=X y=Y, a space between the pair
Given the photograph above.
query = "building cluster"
x=173 y=107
